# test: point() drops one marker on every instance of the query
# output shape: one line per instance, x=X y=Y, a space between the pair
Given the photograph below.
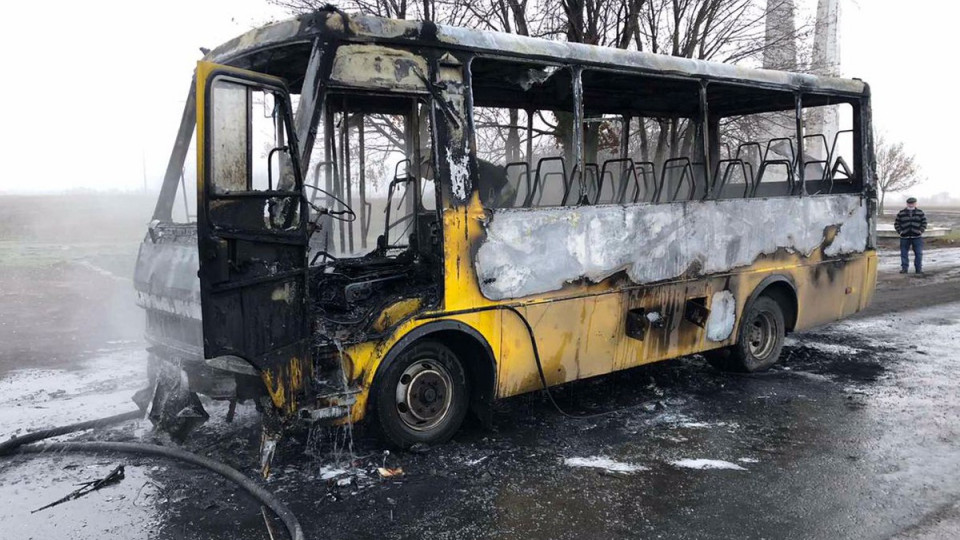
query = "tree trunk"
x=513 y=137
x=644 y=139
x=591 y=142
x=564 y=135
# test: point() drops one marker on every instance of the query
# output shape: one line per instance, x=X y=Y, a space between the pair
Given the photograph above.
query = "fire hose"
x=16 y=445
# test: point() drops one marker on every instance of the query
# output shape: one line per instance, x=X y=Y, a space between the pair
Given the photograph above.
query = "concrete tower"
x=780 y=39
x=825 y=62
x=826 y=39
x=779 y=52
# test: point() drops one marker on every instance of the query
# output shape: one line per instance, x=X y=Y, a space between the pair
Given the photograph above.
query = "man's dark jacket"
x=910 y=223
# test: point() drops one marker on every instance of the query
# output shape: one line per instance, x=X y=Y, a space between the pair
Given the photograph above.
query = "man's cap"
x=912 y=200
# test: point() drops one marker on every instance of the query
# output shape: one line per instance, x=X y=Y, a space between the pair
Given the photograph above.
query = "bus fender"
x=467 y=342
x=780 y=282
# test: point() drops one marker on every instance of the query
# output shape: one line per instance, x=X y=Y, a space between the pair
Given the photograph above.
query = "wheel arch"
x=473 y=351
x=783 y=291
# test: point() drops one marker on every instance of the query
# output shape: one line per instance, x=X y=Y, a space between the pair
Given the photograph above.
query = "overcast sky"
x=95 y=89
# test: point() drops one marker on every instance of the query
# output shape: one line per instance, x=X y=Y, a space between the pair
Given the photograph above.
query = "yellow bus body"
x=579 y=329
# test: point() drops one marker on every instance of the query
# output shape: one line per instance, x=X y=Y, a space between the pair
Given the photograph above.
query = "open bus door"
x=252 y=232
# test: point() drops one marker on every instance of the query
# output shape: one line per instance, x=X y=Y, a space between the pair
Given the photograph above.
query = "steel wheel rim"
x=424 y=394
x=761 y=335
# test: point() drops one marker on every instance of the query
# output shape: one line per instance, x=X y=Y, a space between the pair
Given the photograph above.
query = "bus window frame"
x=703 y=117
x=860 y=176
x=699 y=118
x=530 y=108
x=334 y=102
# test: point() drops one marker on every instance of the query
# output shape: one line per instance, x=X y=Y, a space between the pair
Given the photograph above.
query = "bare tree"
x=897 y=170
x=391 y=9
x=730 y=31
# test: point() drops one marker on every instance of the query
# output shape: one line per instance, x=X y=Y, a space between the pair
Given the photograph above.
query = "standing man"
x=910 y=224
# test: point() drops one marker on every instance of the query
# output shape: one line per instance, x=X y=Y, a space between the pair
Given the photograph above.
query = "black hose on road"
x=10 y=445
x=16 y=445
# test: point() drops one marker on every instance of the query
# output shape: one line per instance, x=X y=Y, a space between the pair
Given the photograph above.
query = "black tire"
x=759 y=339
x=422 y=397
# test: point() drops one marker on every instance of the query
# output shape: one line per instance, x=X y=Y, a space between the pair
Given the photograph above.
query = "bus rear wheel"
x=422 y=397
x=759 y=339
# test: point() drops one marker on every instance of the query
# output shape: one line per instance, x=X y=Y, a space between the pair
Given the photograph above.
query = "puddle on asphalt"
x=837 y=361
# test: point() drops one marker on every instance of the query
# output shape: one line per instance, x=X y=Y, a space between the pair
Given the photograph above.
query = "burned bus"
x=402 y=222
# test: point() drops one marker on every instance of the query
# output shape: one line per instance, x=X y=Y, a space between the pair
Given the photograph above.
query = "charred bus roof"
x=283 y=49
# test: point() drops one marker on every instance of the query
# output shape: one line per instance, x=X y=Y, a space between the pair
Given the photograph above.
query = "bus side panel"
x=557 y=328
x=604 y=319
x=670 y=335
x=869 y=280
x=575 y=338
x=820 y=294
x=585 y=336
x=835 y=289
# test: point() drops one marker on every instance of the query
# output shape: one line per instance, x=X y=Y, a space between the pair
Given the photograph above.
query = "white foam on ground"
x=601 y=462
x=684 y=421
x=33 y=399
x=704 y=464
x=941 y=265
x=694 y=425
x=328 y=472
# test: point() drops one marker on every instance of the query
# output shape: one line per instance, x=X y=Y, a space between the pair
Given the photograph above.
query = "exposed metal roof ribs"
x=304 y=29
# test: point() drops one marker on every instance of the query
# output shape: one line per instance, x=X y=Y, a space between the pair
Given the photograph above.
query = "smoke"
x=66 y=277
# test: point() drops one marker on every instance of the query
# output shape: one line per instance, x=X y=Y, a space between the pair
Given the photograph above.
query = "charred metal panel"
x=374 y=66
x=271 y=320
x=263 y=215
x=451 y=94
x=370 y=28
x=181 y=145
x=586 y=333
x=167 y=287
x=311 y=103
x=637 y=323
x=252 y=244
x=286 y=374
x=529 y=252
x=167 y=265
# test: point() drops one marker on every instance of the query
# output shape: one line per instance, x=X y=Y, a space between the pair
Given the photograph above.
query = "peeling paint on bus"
x=536 y=251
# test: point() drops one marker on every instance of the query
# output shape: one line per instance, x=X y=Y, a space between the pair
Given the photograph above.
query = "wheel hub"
x=762 y=335
x=423 y=394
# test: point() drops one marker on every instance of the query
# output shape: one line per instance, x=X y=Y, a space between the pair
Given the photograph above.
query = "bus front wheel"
x=759 y=339
x=423 y=396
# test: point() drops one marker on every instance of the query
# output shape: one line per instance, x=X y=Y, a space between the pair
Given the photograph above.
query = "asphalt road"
x=853 y=435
